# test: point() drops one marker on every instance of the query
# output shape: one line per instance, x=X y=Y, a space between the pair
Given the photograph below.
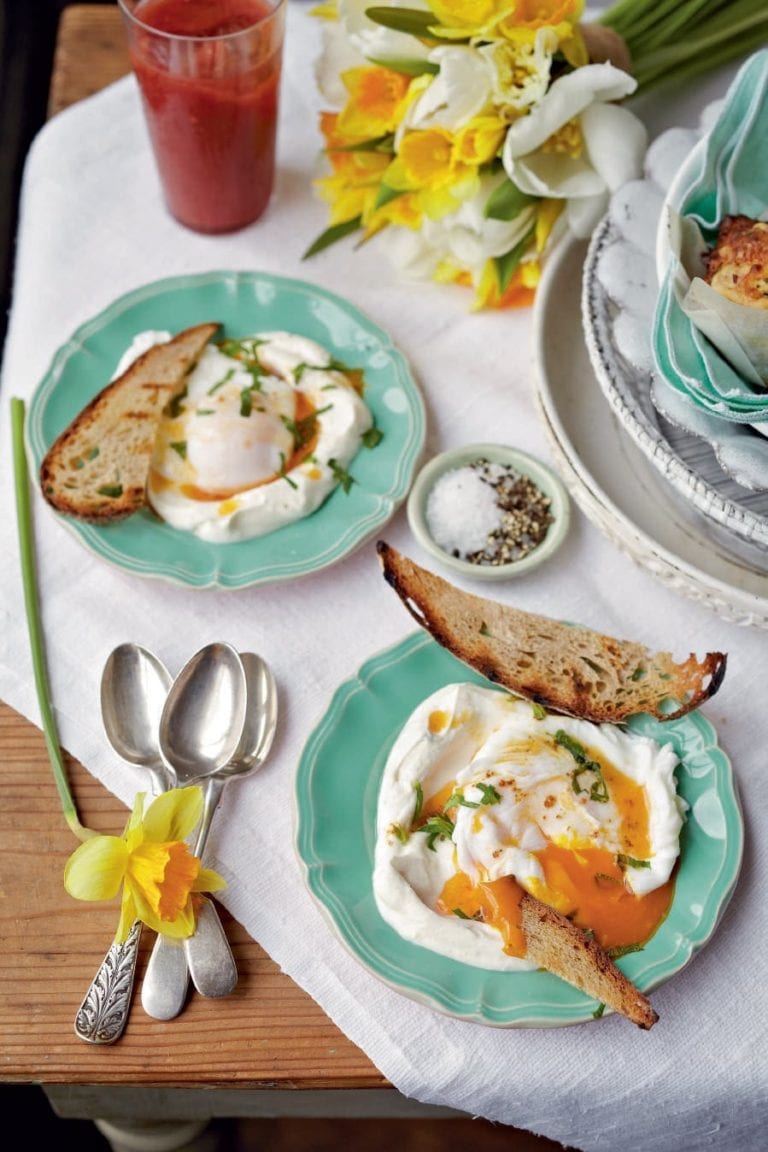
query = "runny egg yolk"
x=581 y=881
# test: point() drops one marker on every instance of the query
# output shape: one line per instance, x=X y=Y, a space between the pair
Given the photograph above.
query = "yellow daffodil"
x=150 y=862
x=377 y=102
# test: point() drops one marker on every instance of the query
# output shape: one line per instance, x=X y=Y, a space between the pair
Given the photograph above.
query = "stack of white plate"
x=664 y=481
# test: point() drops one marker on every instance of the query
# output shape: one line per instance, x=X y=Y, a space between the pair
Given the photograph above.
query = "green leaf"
x=385 y=194
x=506 y=202
x=407 y=67
x=506 y=265
x=113 y=491
x=375 y=144
x=372 y=437
x=332 y=234
x=413 y=21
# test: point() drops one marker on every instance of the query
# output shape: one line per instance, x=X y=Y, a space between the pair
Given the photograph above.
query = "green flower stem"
x=679 y=39
x=27 y=554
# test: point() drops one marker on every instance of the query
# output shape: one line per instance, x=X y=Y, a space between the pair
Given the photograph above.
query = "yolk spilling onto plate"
x=582 y=881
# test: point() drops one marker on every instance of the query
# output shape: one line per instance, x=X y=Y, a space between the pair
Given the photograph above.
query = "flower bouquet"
x=470 y=133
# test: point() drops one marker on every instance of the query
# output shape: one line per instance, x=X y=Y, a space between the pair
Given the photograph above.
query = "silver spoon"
x=200 y=728
x=134 y=687
x=210 y=976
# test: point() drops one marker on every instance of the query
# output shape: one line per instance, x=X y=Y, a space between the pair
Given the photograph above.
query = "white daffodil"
x=376 y=42
x=336 y=57
x=458 y=92
x=520 y=71
x=465 y=238
x=576 y=145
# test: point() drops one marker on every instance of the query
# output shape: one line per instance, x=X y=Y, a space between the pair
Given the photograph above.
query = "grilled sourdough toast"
x=565 y=668
x=96 y=470
x=569 y=670
x=559 y=946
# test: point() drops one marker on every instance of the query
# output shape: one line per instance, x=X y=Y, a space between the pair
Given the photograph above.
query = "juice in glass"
x=209 y=75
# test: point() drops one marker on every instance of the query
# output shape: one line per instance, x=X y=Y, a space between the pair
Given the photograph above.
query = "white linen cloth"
x=93 y=227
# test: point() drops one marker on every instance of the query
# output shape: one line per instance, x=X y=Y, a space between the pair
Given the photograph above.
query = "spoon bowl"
x=204 y=714
x=134 y=688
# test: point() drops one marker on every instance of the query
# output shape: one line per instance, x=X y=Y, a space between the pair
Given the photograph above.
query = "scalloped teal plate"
x=244 y=303
x=337 y=787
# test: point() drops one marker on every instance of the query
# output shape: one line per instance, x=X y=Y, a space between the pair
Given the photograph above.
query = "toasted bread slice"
x=567 y=669
x=96 y=470
x=554 y=943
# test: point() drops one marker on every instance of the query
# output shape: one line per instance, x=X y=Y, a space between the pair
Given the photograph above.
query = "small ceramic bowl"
x=542 y=476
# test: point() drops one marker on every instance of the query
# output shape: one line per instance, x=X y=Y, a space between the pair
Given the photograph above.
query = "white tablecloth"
x=93 y=227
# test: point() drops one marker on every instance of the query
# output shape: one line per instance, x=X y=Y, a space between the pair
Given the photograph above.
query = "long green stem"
x=678 y=39
x=29 y=581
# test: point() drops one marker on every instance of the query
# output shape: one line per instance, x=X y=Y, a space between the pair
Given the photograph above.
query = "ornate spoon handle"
x=103 y=1014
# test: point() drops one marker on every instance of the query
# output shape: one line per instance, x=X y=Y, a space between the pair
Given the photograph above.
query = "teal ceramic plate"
x=243 y=302
x=336 y=798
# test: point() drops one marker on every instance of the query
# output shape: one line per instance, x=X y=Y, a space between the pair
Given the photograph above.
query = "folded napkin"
x=93 y=227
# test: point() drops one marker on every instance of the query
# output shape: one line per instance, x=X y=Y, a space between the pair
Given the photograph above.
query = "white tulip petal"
x=373 y=40
x=337 y=56
x=566 y=99
x=585 y=213
x=555 y=176
x=616 y=142
x=461 y=89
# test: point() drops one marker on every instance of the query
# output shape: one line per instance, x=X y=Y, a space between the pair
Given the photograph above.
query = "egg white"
x=219 y=465
x=473 y=736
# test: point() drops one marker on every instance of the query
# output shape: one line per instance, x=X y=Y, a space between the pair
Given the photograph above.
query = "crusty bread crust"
x=96 y=470
x=565 y=668
x=557 y=945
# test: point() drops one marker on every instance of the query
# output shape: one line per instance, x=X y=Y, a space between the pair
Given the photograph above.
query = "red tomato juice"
x=211 y=104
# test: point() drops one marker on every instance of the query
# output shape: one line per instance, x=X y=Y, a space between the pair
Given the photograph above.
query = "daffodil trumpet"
x=468 y=137
x=150 y=866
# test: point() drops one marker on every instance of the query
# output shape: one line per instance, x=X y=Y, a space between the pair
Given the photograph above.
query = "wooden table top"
x=268 y=1033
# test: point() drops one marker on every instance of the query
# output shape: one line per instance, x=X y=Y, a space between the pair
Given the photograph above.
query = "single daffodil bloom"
x=151 y=863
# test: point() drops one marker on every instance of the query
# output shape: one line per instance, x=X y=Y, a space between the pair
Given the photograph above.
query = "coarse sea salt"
x=462 y=511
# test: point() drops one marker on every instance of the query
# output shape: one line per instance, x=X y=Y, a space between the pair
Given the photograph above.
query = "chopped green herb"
x=484 y=631
x=246 y=401
x=174 y=405
x=400 y=832
x=284 y=474
x=639 y=673
x=111 y=490
x=598 y=790
x=461 y=915
x=220 y=383
x=623 y=950
x=419 y=799
x=598 y=1012
x=539 y=711
x=304 y=429
x=93 y=452
x=341 y=475
x=372 y=437
x=204 y=411
x=490 y=796
x=437 y=828
x=180 y=447
x=79 y=463
x=630 y=862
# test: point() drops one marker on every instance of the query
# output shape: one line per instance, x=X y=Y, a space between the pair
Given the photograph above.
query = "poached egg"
x=264 y=430
x=485 y=795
